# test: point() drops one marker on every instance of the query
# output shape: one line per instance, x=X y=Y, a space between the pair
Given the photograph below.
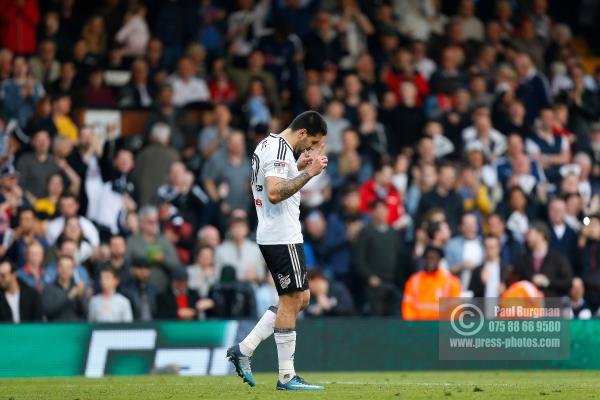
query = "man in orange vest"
x=424 y=289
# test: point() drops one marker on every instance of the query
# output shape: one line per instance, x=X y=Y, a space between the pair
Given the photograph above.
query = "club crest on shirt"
x=284 y=281
x=280 y=167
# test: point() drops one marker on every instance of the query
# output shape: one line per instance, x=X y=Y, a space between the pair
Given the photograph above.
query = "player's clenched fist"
x=317 y=165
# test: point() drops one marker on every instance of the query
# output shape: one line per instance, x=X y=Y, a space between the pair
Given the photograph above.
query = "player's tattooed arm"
x=279 y=189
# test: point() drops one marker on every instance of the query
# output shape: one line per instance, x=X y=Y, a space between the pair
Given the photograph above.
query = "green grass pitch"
x=353 y=385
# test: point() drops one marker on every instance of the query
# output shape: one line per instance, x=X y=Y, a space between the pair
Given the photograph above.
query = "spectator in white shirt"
x=241 y=253
x=134 y=34
x=69 y=206
x=110 y=306
x=472 y=27
x=187 y=88
x=493 y=142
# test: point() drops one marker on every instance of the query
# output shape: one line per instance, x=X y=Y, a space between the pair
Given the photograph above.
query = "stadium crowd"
x=463 y=143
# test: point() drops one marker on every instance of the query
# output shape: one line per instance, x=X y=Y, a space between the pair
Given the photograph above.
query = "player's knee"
x=291 y=301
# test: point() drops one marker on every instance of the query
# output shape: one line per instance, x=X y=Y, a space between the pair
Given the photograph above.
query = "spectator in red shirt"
x=403 y=70
x=380 y=187
x=18 y=21
x=222 y=90
x=96 y=93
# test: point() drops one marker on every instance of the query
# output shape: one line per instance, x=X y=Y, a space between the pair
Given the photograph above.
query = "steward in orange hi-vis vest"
x=424 y=289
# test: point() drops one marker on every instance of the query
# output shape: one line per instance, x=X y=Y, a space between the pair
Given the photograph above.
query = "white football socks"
x=261 y=331
x=286 y=347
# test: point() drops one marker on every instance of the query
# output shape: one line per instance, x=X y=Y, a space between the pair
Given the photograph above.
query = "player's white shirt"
x=277 y=223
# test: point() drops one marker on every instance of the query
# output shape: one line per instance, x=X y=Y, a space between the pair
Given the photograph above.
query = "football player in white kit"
x=277 y=178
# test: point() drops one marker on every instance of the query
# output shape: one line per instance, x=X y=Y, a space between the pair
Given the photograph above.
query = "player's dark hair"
x=312 y=121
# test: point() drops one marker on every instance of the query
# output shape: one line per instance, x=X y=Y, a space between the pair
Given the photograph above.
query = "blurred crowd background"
x=463 y=140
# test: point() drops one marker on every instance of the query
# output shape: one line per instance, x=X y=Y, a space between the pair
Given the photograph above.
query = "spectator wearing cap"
x=378 y=261
x=424 y=289
x=141 y=293
x=109 y=306
x=178 y=301
x=241 y=253
x=150 y=244
x=18 y=302
x=35 y=167
x=153 y=162
x=327 y=298
x=64 y=299
x=549 y=270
